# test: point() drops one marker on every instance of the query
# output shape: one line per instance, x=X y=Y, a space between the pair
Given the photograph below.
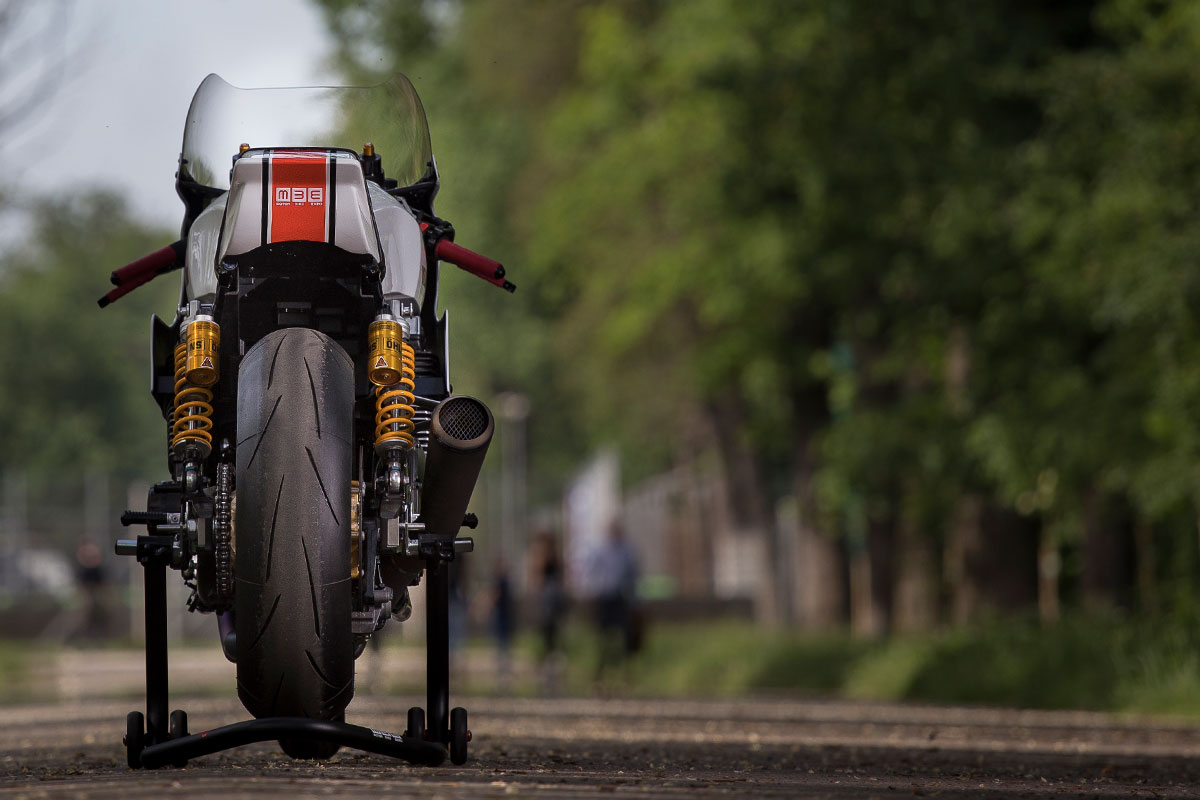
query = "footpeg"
x=150 y=518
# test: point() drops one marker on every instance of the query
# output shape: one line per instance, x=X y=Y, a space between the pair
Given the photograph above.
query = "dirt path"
x=593 y=748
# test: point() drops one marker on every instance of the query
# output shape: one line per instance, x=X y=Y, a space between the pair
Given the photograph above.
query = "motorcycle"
x=320 y=465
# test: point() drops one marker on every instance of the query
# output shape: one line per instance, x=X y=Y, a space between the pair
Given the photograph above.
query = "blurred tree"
x=75 y=395
x=925 y=267
x=800 y=202
x=484 y=124
x=1107 y=224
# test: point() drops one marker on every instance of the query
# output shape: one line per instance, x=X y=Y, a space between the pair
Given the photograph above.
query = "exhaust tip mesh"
x=463 y=418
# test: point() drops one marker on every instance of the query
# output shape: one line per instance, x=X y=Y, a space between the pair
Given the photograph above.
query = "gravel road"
x=627 y=748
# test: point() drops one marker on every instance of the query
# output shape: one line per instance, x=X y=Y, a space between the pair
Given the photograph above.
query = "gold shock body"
x=385 y=343
x=203 y=347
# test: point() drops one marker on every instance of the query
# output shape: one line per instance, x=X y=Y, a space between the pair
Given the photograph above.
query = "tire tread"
x=295 y=652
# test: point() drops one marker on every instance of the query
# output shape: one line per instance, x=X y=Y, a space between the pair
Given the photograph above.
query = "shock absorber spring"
x=392 y=369
x=191 y=421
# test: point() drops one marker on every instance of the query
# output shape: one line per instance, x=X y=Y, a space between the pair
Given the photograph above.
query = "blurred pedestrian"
x=552 y=608
x=89 y=564
x=456 y=615
x=613 y=570
x=503 y=623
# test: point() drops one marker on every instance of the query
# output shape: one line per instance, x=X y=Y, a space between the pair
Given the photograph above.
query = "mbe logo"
x=299 y=195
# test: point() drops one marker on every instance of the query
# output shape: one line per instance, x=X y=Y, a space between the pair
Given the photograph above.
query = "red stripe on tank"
x=299 y=197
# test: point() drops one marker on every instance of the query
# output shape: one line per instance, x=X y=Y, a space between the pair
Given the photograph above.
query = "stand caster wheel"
x=178 y=724
x=416 y=724
x=178 y=729
x=135 y=738
x=459 y=736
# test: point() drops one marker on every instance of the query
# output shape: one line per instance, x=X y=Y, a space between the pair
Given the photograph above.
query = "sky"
x=116 y=117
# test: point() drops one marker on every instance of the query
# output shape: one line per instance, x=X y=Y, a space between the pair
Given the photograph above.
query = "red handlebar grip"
x=158 y=261
x=469 y=260
x=125 y=288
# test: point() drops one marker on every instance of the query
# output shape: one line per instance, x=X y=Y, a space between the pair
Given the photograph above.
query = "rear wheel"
x=295 y=649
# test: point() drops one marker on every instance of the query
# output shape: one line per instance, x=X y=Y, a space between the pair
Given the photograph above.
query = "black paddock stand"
x=448 y=728
x=161 y=739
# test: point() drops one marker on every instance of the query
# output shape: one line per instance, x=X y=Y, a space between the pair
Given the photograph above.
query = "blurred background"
x=869 y=324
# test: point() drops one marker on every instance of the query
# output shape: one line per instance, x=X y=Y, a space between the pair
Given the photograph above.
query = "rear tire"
x=295 y=649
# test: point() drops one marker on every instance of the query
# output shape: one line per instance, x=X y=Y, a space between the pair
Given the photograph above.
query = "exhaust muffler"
x=459 y=435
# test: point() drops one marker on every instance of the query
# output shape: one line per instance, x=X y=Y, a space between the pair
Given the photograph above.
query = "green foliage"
x=1012 y=663
x=16 y=667
x=75 y=394
x=766 y=662
x=896 y=253
x=1085 y=662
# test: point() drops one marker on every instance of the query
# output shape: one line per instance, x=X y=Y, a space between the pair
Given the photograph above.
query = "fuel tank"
x=280 y=195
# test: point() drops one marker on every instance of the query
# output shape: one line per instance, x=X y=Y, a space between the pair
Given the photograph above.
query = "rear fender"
x=163 y=338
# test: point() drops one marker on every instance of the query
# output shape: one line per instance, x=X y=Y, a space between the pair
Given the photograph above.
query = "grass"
x=1108 y=663
x=17 y=670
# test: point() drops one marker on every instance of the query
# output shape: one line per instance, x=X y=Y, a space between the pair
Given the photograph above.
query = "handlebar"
x=156 y=263
x=474 y=263
x=144 y=270
x=171 y=257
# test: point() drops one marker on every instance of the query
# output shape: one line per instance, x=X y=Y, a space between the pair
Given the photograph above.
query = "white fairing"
x=200 y=271
x=349 y=218
x=403 y=246
x=353 y=214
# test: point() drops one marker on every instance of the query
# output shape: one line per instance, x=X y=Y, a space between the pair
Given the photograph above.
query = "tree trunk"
x=867 y=616
x=821 y=584
x=1109 y=572
x=865 y=619
x=1147 y=568
x=1049 y=569
x=963 y=543
x=881 y=545
x=991 y=560
x=914 y=604
x=749 y=502
x=1099 y=556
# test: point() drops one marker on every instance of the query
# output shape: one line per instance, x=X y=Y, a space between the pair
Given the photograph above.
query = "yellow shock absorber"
x=393 y=369
x=195 y=363
x=203 y=349
x=394 y=429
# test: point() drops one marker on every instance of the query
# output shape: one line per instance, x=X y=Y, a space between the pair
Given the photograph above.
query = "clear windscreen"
x=223 y=117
